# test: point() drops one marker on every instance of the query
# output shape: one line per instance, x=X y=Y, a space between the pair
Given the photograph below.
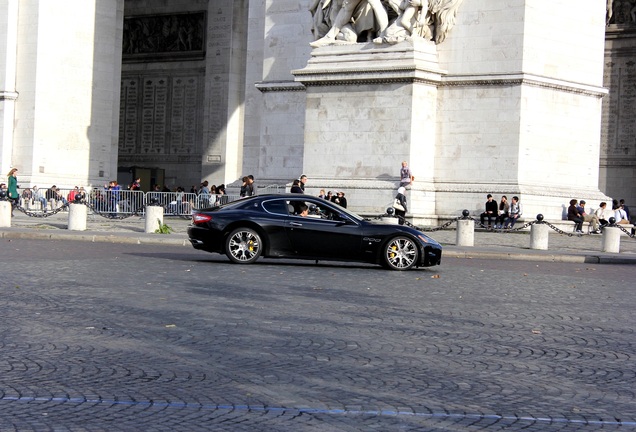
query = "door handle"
x=295 y=224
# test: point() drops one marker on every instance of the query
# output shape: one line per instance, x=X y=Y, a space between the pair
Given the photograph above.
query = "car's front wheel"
x=243 y=246
x=400 y=253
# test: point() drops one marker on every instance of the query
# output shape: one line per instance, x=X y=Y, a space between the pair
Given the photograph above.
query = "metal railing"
x=119 y=204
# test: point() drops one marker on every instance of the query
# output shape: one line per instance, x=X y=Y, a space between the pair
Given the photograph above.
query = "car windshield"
x=349 y=213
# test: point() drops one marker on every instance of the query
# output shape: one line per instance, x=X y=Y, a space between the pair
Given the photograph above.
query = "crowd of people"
x=502 y=215
x=337 y=197
x=578 y=214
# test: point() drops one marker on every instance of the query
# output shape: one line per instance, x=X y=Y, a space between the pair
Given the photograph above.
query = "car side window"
x=322 y=212
x=276 y=207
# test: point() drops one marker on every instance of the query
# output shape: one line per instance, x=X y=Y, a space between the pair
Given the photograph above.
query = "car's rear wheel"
x=243 y=246
x=400 y=253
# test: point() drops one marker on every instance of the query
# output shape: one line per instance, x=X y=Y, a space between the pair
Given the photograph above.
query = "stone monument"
x=506 y=102
x=618 y=142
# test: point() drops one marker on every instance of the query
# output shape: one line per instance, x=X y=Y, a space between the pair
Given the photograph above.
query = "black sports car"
x=306 y=227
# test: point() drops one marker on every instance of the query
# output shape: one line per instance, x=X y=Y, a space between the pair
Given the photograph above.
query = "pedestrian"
x=400 y=205
x=295 y=187
x=340 y=199
x=203 y=189
x=243 y=191
x=575 y=216
x=516 y=210
x=136 y=185
x=504 y=208
x=591 y=218
x=602 y=213
x=625 y=208
x=12 y=191
x=221 y=195
x=251 y=187
x=303 y=180
x=37 y=196
x=406 y=178
x=491 y=212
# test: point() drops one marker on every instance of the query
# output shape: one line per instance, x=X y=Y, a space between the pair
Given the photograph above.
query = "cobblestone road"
x=109 y=337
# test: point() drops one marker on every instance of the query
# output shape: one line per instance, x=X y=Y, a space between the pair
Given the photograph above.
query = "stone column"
x=154 y=218
x=8 y=94
x=77 y=215
x=5 y=214
x=68 y=78
x=611 y=239
x=465 y=232
x=539 y=235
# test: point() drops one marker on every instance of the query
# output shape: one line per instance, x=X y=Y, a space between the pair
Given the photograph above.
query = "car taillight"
x=200 y=218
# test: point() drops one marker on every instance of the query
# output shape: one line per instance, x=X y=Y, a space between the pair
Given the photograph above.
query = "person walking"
x=400 y=205
x=12 y=190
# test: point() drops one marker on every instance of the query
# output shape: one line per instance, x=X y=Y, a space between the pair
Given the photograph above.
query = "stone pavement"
x=488 y=245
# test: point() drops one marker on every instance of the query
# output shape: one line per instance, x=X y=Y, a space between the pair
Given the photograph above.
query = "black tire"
x=400 y=253
x=243 y=246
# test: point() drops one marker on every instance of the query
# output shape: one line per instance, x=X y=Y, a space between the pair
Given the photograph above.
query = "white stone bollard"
x=5 y=214
x=539 y=234
x=77 y=215
x=611 y=239
x=154 y=218
x=465 y=233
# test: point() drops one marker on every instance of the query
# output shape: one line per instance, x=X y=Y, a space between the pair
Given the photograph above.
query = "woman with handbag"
x=399 y=204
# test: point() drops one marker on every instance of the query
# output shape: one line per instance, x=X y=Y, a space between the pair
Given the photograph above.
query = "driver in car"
x=303 y=210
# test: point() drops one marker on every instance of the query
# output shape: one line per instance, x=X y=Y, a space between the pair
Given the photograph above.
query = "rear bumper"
x=204 y=239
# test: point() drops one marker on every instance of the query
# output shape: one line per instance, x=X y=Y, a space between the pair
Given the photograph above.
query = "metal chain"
x=478 y=223
x=44 y=214
x=630 y=235
x=560 y=231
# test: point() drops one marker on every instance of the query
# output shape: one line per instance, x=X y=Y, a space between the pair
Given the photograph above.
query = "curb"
x=149 y=239
x=557 y=258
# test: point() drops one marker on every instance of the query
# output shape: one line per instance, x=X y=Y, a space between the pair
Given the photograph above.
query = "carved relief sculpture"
x=350 y=21
x=621 y=12
x=164 y=34
x=353 y=19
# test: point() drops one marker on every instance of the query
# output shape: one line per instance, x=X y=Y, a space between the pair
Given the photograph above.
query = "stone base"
x=371 y=107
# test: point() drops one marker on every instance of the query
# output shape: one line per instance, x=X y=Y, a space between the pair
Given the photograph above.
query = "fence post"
x=5 y=214
x=611 y=239
x=465 y=231
x=154 y=218
x=539 y=235
x=77 y=215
